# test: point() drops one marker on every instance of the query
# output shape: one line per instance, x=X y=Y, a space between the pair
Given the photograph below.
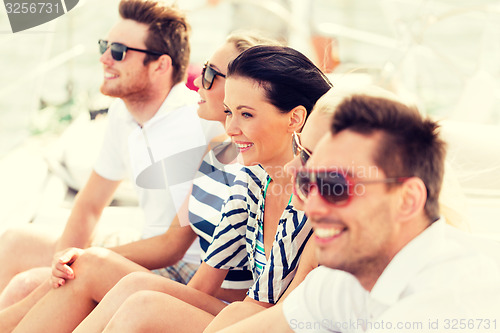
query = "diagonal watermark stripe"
x=26 y=14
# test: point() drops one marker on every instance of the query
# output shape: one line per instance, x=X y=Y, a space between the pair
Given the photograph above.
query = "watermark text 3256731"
x=26 y=14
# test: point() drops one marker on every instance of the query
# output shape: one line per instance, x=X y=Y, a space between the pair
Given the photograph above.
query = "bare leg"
x=232 y=314
x=12 y=315
x=97 y=270
x=134 y=282
x=22 y=285
x=22 y=249
x=152 y=311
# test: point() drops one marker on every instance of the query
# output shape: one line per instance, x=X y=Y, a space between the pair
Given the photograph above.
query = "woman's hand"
x=61 y=270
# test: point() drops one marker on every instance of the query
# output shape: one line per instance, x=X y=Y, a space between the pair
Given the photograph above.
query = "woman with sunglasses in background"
x=269 y=93
x=96 y=270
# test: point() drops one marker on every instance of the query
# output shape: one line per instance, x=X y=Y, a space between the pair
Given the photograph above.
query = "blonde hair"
x=329 y=102
x=245 y=39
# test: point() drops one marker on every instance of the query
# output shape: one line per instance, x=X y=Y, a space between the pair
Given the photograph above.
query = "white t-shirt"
x=129 y=151
x=442 y=261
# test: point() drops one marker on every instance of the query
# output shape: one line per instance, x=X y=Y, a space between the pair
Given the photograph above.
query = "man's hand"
x=61 y=270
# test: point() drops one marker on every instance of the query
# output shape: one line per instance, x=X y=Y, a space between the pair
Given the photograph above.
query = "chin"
x=109 y=92
x=326 y=260
x=205 y=114
x=240 y=159
x=245 y=161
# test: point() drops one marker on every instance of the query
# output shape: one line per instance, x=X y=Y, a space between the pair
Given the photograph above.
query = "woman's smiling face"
x=259 y=130
x=211 y=106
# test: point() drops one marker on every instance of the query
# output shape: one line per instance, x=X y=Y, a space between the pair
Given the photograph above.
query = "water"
x=446 y=53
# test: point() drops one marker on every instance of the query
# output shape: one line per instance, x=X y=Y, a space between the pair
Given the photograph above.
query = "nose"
x=197 y=82
x=106 y=58
x=232 y=126
x=314 y=205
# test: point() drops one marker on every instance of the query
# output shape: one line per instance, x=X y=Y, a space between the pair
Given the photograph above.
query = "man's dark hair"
x=168 y=32
x=410 y=144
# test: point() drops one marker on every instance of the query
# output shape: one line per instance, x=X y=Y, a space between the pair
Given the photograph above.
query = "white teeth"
x=243 y=146
x=109 y=75
x=326 y=232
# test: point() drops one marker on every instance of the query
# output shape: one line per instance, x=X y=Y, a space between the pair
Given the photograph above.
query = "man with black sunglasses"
x=388 y=261
x=144 y=58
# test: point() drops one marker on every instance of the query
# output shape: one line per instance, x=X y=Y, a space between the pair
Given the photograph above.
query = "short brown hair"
x=168 y=32
x=410 y=144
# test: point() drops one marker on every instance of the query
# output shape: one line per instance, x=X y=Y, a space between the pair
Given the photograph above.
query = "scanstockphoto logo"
x=26 y=14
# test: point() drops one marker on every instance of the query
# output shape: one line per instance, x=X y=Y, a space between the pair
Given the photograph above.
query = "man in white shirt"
x=144 y=59
x=388 y=261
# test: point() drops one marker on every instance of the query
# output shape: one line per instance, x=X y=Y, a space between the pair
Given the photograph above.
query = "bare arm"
x=208 y=279
x=89 y=204
x=162 y=250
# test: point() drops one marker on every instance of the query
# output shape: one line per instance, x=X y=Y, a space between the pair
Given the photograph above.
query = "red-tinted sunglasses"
x=333 y=186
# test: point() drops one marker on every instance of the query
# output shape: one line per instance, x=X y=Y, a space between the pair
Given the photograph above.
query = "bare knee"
x=232 y=314
x=134 y=281
x=25 y=248
x=9 y=237
x=92 y=257
x=32 y=278
x=243 y=308
x=10 y=241
x=136 y=312
x=140 y=302
x=22 y=284
x=86 y=266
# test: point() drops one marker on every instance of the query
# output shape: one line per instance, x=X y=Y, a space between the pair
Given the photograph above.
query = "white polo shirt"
x=125 y=154
x=442 y=261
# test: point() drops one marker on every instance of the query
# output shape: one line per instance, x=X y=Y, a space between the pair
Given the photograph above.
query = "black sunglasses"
x=119 y=50
x=208 y=75
x=333 y=186
x=298 y=149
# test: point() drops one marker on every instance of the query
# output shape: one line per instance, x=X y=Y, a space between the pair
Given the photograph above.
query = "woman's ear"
x=413 y=197
x=297 y=118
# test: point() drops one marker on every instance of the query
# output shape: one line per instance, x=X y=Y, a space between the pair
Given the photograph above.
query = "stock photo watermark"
x=26 y=14
x=432 y=324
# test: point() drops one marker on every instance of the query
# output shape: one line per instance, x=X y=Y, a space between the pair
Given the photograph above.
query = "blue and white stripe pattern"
x=235 y=238
x=210 y=190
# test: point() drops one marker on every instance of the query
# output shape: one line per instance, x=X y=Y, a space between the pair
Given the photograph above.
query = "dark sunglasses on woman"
x=208 y=75
x=118 y=50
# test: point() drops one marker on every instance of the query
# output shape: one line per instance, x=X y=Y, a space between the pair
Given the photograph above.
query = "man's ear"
x=413 y=195
x=162 y=64
x=297 y=118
